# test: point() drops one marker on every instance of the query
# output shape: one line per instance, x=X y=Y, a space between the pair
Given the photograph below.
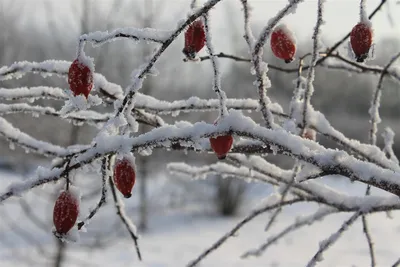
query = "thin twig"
x=298 y=224
x=125 y=220
x=326 y=244
x=105 y=171
x=217 y=72
x=233 y=231
x=309 y=88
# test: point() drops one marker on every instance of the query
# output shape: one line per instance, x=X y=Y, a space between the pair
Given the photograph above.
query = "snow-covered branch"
x=143 y=71
x=297 y=225
x=217 y=70
x=376 y=101
x=325 y=244
x=270 y=205
x=105 y=175
x=309 y=88
x=146 y=34
x=328 y=160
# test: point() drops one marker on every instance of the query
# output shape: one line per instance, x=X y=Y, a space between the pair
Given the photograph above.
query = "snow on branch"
x=336 y=61
x=15 y=136
x=83 y=116
x=216 y=67
x=270 y=205
x=146 y=34
x=260 y=67
x=297 y=225
x=309 y=88
x=141 y=73
x=328 y=160
x=325 y=244
x=60 y=68
x=316 y=121
x=388 y=138
x=105 y=175
x=33 y=93
x=376 y=101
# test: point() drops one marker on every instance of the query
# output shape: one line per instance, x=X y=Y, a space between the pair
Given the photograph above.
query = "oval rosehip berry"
x=283 y=43
x=65 y=212
x=80 y=78
x=195 y=39
x=221 y=145
x=124 y=177
x=361 y=40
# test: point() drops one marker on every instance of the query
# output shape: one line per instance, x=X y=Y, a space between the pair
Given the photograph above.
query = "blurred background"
x=49 y=29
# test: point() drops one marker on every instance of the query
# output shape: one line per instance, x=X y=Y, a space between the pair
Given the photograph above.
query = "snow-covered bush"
x=292 y=133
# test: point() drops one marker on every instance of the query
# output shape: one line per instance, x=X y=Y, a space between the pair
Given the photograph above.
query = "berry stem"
x=67 y=176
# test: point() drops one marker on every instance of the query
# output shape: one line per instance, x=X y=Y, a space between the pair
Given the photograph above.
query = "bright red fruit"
x=283 y=43
x=195 y=39
x=221 y=145
x=361 y=40
x=80 y=78
x=124 y=177
x=65 y=212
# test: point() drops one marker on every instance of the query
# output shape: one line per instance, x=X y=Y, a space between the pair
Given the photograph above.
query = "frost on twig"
x=268 y=206
x=325 y=244
x=298 y=224
x=388 y=138
x=105 y=174
x=217 y=70
x=309 y=88
x=131 y=228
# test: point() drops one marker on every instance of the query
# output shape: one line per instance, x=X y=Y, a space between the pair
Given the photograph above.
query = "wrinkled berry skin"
x=361 y=41
x=124 y=177
x=65 y=212
x=195 y=39
x=221 y=145
x=80 y=78
x=282 y=46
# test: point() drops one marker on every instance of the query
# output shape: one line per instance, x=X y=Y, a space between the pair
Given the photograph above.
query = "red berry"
x=124 y=177
x=221 y=145
x=65 y=212
x=80 y=78
x=195 y=39
x=283 y=44
x=361 y=40
x=310 y=134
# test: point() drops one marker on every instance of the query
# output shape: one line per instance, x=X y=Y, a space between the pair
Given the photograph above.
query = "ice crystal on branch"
x=241 y=141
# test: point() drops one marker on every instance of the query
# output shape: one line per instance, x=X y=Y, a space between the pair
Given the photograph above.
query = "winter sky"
x=340 y=15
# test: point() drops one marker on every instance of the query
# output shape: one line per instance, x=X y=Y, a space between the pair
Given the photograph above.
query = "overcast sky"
x=340 y=16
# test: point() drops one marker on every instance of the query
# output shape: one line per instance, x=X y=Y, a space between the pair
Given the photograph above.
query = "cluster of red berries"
x=80 y=79
x=283 y=46
x=283 y=43
x=66 y=207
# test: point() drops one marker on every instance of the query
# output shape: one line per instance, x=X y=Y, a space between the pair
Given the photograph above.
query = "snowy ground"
x=176 y=238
